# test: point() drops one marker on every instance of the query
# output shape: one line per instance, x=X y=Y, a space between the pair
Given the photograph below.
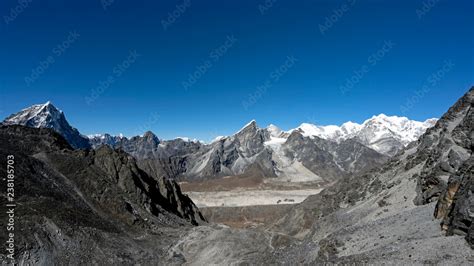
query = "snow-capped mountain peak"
x=38 y=115
x=48 y=116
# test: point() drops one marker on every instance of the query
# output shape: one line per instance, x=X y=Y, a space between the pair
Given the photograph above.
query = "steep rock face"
x=459 y=203
x=48 y=116
x=444 y=148
x=313 y=156
x=162 y=193
x=356 y=158
x=232 y=155
x=88 y=205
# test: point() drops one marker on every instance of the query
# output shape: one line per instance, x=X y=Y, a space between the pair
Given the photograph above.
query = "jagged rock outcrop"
x=456 y=207
x=444 y=148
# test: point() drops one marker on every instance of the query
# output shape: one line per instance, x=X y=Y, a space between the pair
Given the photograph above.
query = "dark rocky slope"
x=459 y=216
x=89 y=206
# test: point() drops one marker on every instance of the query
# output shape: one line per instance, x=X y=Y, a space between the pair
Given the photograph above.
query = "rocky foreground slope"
x=88 y=206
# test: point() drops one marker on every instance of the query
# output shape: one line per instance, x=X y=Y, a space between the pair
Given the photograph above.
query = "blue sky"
x=205 y=68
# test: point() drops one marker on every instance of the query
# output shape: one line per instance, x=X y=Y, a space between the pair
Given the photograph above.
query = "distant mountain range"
x=306 y=153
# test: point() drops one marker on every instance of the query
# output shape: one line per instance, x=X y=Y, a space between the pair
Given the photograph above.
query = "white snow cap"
x=375 y=128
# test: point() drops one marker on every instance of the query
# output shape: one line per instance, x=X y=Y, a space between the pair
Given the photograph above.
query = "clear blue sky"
x=149 y=93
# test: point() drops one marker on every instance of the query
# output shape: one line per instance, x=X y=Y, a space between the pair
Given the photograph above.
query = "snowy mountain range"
x=385 y=134
x=306 y=153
